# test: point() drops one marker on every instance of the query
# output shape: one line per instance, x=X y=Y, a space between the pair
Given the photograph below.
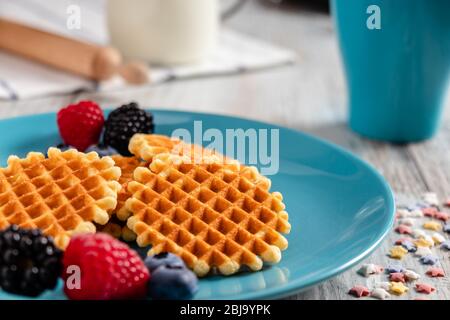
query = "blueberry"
x=172 y=283
x=163 y=259
x=102 y=150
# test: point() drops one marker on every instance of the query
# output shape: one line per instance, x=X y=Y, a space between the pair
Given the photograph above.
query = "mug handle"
x=232 y=10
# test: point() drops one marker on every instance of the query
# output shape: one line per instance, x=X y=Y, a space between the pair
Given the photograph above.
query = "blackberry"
x=29 y=261
x=123 y=123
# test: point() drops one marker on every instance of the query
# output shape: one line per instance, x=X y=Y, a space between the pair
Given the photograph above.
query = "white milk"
x=164 y=31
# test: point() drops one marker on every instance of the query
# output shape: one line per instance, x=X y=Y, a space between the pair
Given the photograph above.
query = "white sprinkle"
x=402 y=213
x=383 y=285
x=428 y=239
x=418 y=233
x=380 y=293
x=437 y=237
x=407 y=221
x=422 y=251
x=416 y=214
x=431 y=198
x=411 y=275
x=368 y=269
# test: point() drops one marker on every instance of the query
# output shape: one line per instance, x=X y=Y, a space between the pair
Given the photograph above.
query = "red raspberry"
x=109 y=269
x=81 y=124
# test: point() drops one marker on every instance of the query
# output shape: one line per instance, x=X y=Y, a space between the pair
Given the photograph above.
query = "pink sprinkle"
x=435 y=272
x=425 y=288
x=442 y=216
x=429 y=212
x=359 y=291
x=397 y=277
x=403 y=229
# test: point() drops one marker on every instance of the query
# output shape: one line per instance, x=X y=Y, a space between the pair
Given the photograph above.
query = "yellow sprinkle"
x=398 y=288
x=397 y=252
x=432 y=225
x=421 y=242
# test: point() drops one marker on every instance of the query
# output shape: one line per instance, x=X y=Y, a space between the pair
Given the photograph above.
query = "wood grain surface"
x=309 y=96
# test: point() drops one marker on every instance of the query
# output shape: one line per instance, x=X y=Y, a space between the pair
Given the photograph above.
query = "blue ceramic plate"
x=340 y=208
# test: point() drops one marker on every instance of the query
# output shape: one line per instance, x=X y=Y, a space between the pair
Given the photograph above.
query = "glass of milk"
x=165 y=32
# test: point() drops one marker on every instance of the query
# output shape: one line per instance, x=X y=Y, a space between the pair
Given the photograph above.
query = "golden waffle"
x=118 y=230
x=63 y=194
x=127 y=165
x=146 y=146
x=211 y=216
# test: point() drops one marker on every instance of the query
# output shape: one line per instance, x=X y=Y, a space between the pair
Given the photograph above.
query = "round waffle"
x=63 y=194
x=214 y=216
x=127 y=165
x=146 y=146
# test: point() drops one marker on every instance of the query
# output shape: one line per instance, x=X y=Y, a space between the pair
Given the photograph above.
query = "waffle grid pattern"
x=127 y=165
x=211 y=216
x=62 y=194
x=147 y=146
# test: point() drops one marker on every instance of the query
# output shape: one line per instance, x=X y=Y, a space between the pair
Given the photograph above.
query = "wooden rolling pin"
x=88 y=60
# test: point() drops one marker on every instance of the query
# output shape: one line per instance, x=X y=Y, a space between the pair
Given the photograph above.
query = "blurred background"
x=157 y=41
x=260 y=52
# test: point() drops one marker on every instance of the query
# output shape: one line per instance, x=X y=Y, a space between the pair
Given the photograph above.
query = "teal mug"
x=396 y=57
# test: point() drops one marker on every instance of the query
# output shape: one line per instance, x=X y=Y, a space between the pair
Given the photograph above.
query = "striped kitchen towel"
x=21 y=79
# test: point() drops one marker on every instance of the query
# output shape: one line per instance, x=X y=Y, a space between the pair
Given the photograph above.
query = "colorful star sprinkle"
x=410 y=275
x=442 y=216
x=380 y=293
x=446 y=228
x=397 y=277
x=369 y=269
x=447 y=203
x=359 y=291
x=416 y=213
x=425 y=288
x=432 y=225
x=445 y=245
x=398 y=288
x=392 y=268
x=429 y=259
x=383 y=285
x=423 y=242
x=417 y=233
x=397 y=252
x=402 y=213
x=435 y=272
x=429 y=212
x=423 y=251
x=417 y=240
x=403 y=229
x=437 y=237
x=407 y=222
x=401 y=240
x=409 y=245
x=431 y=198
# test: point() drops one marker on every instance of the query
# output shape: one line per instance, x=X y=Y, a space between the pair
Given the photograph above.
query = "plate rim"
x=292 y=286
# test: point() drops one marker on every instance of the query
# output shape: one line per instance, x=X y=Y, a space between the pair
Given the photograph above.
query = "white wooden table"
x=309 y=96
